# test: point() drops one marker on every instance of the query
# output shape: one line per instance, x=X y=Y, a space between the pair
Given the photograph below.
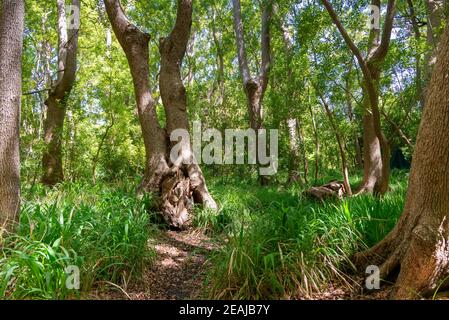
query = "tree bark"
x=57 y=98
x=176 y=185
x=11 y=28
x=135 y=45
x=418 y=245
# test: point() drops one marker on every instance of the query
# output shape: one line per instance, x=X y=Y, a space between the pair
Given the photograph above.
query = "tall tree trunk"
x=176 y=185
x=11 y=28
x=293 y=166
x=174 y=99
x=436 y=11
x=293 y=124
x=220 y=60
x=373 y=165
x=254 y=87
x=58 y=96
x=357 y=149
x=303 y=150
x=418 y=67
x=135 y=45
x=317 y=144
x=418 y=245
x=376 y=148
x=341 y=147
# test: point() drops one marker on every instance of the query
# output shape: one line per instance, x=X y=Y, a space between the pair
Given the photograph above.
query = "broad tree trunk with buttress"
x=417 y=247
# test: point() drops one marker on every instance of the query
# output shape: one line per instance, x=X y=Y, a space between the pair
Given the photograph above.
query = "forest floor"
x=181 y=266
x=178 y=272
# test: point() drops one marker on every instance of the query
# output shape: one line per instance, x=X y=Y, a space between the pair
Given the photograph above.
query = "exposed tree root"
x=418 y=255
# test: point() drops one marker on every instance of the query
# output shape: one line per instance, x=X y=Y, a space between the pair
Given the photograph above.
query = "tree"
x=174 y=99
x=351 y=117
x=294 y=125
x=376 y=147
x=341 y=145
x=317 y=145
x=418 y=245
x=176 y=184
x=436 y=11
x=11 y=28
x=294 y=139
x=218 y=42
x=254 y=87
x=59 y=94
x=417 y=35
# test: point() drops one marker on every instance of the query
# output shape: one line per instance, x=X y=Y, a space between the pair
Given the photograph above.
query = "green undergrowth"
x=274 y=242
x=282 y=245
x=102 y=230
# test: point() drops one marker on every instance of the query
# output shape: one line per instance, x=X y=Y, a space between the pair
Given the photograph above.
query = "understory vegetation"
x=276 y=243
x=287 y=246
x=101 y=229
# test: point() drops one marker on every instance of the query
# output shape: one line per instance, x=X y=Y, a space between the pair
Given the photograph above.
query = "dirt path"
x=178 y=272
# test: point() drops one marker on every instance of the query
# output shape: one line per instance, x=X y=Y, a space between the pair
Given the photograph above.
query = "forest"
x=224 y=149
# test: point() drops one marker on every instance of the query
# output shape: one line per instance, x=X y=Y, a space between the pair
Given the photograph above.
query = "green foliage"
x=292 y=247
x=103 y=94
x=103 y=230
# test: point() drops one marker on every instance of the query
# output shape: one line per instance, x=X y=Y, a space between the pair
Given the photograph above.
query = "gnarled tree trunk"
x=58 y=96
x=11 y=28
x=418 y=245
x=173 y=93
x=178 y=185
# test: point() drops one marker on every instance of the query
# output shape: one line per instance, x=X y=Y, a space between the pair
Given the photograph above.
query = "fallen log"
x=333 y=189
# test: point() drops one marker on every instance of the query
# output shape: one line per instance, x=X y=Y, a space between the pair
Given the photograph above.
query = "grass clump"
x=102 y=230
